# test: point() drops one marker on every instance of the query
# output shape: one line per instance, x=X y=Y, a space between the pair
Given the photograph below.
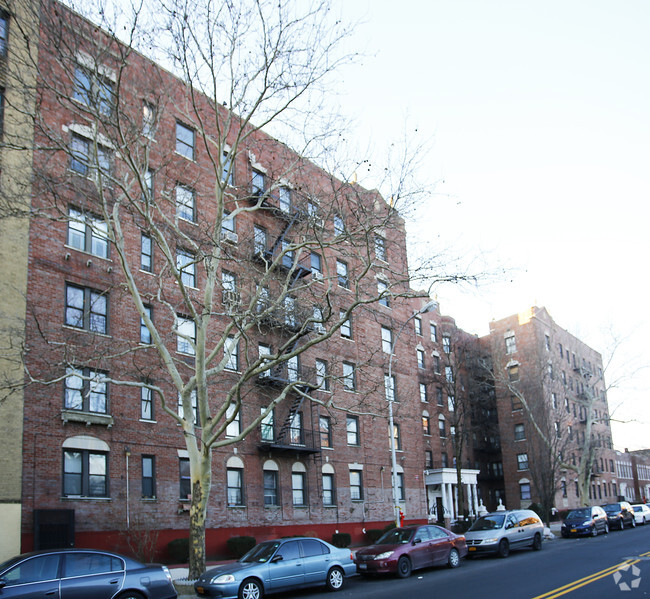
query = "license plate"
x=363 y=566
x=573 y=530
x=471 y=548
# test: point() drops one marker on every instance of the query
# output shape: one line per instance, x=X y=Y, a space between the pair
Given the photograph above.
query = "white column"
x=455 y=487
x=475 y=496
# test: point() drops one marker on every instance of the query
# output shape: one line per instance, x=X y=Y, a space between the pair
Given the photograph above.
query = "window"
x=439 y=399
x=444 y=459
x=554 y=400
x=146 y=403
x=420 y=357
x=520 y=433
x=145 y=333
x=270 y=487
x=382 y=293
x=195 y=407
x=516 y=403
x=325 y=427
x=322 y=378
x=386 y=340
x=83 y=159
x=295 y=430
x=356 y=485
x=449 y=374
x=85 y=473
x=513 y=373
x=442 y=428
x=186 y=265
x=231 y=351
x=2 y=109
x=567 y=405
x=349 y=378
x=235 y=482
x=339 y=225
x=426 y=424
x=148 y=476
x=389 y=388
x=418 y=325
x=86 y=390
x=346 y=327
x=186 y=336
x=4 y=31
x=298 y=488
x=547 y=342
x=423 y=393
x=434 y=332
x=428 y=459
x=524 y=491
x=184 y=140
x=233 y=428
x=266 y=426
x=259 y=240
x=257 y=183
x=185 y=480
x=561 y=355
x=87 y=233
x=284 y=199
x=316 y=266
x=436 y=363
x=148 y=119
x=146 y=253
x=342 y=274
x=380 y=248
x=446 y=344
x=329 y=497
x=352 y=427
x=264 y=351
x=229 y=287
x=86 y=309
x=511 y=344
x=317 y=315
x=451 y=402
x=227 y=174
x=185 y=203
x=522 y=461
x=93 y=90
x=228 y=228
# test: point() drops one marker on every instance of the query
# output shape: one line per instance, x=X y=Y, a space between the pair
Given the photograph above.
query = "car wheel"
x=594 y=531
x=504 y=548
x=251 y=589
x=453 y=561
x=130 y=595
x=404 y=567
x=621 y=524
x=334 y=580
x=633 y=524
x=537 y=542
x=606 y=529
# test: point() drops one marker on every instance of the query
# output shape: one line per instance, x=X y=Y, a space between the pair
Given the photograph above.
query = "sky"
x=536 y=114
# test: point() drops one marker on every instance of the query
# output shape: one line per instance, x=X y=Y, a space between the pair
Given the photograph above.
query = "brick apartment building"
x=562 y=379
x=94 y=454
x=89 y=453
x=633 y=475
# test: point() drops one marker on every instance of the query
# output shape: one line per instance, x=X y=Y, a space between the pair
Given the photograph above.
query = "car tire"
x=334 y=580
x=633 y=523
x=537 y=542
x=404 y=567
x=504 y=548
x=130 y=595
x=453 y=561
x=621 y=524
x=250 y=589
x=606 y=529
x=594 y=531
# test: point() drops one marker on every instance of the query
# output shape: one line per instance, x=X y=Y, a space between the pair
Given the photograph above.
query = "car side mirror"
x=3 y=583
x=416 y=541
x=276 y=558
x=509 y=525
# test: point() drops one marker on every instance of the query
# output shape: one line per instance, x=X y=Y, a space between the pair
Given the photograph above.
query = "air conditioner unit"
x=229 y=237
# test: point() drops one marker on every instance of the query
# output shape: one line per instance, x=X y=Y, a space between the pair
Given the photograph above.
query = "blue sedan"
x=276 y=566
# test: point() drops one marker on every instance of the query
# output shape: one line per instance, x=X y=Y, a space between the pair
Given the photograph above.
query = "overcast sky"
x=538 y=116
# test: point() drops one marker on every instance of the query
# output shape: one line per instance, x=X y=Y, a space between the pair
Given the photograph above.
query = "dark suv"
x=619 y=515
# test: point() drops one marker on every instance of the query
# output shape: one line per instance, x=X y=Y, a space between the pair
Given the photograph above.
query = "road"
x=569 y=568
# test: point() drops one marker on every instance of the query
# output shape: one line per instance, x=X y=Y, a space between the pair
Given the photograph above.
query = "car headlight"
x=223 y=579
x=586 y=523
x=494 y=540
x=384 y=555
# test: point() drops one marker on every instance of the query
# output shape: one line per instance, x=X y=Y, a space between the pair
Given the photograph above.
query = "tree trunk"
x=201 y=473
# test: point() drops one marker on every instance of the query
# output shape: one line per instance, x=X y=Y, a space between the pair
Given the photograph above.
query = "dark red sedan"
x=401 y=550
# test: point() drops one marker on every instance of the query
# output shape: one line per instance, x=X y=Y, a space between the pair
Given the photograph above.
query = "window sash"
x=184 y=141
x=146 y=253
x=298 y=488
x=270 y=487
x=146 y=403
x=235 y=487
x=148 y=476
x=352 y=430
x=86 y=390
x=185 y=203
x=356 y=485
x=85 y=473
x=328 y=489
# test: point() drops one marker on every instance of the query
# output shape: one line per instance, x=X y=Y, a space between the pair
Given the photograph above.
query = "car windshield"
x=491 y=522
x=260 y=553
x=396 y=536
x=575 y=514
x=610 y=508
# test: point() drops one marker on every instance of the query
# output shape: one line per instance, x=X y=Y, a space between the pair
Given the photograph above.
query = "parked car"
x=619 y=515
x=641 y=513
x=585 y=521
x=402 y=550
x=83 y=573
x=276 y=566
x=500 y=532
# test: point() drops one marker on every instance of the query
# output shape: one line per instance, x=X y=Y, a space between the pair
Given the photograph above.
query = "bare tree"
x=105 y=170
